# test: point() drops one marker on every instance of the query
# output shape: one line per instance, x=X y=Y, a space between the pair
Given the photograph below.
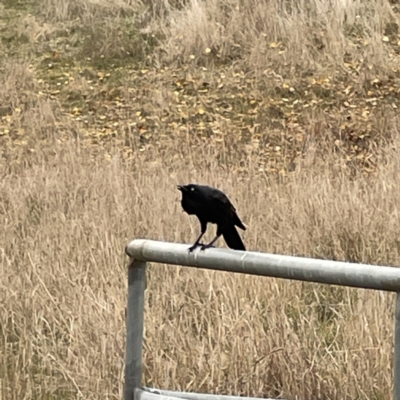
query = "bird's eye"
x=192 y=189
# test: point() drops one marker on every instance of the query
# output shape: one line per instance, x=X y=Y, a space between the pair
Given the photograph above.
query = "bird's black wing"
x=221 y=201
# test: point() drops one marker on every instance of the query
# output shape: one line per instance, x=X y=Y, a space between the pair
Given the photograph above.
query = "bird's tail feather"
x=238 y=222
x=233 y=239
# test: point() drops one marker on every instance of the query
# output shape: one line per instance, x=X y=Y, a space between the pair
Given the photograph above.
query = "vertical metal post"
x=134 y=327
x=396 y=375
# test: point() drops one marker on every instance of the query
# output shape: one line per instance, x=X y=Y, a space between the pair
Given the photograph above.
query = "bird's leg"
x=197 y=242
x=220 y=230
x=217 y=236
x=207 y=246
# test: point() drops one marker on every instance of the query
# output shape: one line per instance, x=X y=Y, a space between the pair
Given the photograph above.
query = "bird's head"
x=188 y=189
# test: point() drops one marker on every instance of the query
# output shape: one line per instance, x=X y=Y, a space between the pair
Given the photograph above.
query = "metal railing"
x=304 y=269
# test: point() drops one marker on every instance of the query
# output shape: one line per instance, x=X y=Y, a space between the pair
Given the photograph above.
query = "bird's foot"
x=201 y=245
x=205 y=246
x=191 y=248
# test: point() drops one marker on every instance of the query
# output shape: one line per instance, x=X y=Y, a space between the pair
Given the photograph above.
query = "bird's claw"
x=206 y=246
x=201 y=245
x=191 y=248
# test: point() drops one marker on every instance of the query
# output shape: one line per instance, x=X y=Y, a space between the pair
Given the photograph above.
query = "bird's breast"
x=189 y=206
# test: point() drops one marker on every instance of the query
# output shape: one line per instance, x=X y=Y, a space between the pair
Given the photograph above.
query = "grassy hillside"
x=291 y=108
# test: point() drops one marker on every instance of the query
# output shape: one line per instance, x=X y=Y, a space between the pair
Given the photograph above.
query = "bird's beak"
x=181 y=188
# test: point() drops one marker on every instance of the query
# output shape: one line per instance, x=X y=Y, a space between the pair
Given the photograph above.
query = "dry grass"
x=69 y=203
x=63 y=292
x=317 y=35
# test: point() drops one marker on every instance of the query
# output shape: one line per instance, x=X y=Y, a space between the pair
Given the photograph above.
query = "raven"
x=212 y=205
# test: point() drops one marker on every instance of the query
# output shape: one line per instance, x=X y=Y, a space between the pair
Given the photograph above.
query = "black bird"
x=212 y=205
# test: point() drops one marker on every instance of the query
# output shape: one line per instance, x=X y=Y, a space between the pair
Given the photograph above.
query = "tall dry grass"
x=63 y=289
x=317 y=36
